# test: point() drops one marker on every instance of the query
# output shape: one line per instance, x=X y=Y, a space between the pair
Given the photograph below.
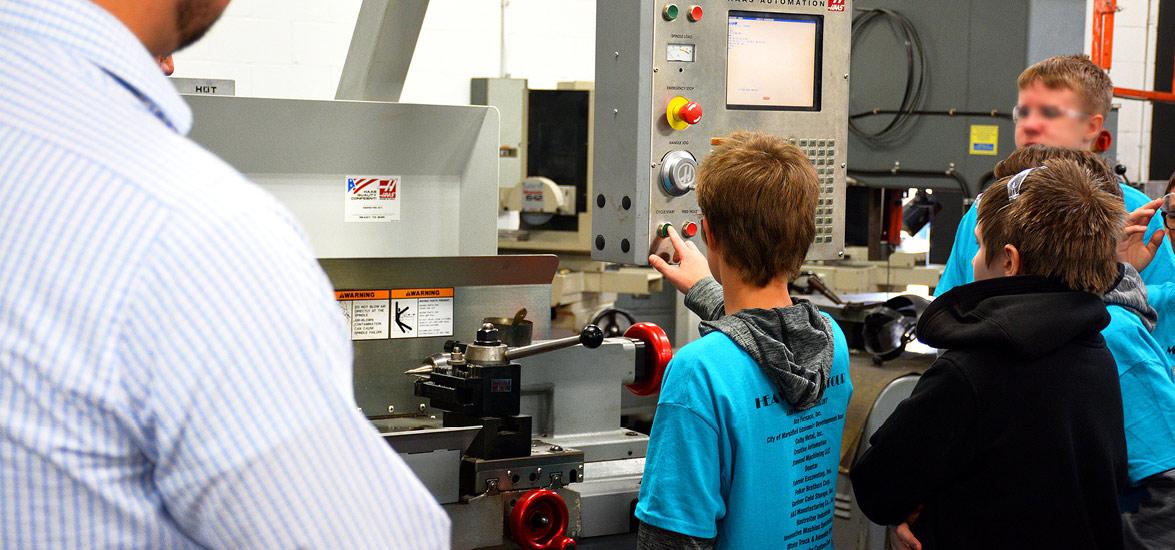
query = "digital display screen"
x=773 y=61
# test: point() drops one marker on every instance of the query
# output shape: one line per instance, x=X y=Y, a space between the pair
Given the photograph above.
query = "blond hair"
x=759 y=194
x=1074 y=72
x=1065 y=225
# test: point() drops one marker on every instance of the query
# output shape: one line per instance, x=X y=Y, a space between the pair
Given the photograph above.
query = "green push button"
x=669 y=12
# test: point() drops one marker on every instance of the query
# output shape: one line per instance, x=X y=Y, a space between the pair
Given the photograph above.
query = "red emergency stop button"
x=689 y=229
x=695 y=13
x=682 y=113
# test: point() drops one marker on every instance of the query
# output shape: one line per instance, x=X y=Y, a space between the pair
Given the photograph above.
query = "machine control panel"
x=672 y=79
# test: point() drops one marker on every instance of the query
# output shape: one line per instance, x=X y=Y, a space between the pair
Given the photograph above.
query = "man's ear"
x=1094 y=126
x=1010 y=260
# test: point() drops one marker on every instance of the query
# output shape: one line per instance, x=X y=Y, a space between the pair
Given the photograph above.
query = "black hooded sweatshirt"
x=1014 y=437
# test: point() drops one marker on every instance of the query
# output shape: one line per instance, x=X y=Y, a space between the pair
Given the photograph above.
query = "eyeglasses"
x=1016 y=182
x=1167 y=209
x=1048 y=112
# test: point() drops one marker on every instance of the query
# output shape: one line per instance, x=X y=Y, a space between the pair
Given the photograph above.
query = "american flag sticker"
x=372 y=199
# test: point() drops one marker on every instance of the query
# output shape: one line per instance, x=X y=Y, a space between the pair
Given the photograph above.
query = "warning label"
x=372 y=199
x=422 y=312
x=985 y=140
x=366 y=312
x=404 y=313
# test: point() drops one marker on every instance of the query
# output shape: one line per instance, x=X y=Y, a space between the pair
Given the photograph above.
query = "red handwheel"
x=539 y=521
x=658 y=352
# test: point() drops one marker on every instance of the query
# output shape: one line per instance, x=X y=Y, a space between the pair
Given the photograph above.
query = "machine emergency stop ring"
x=658 y=352
x=539 y=521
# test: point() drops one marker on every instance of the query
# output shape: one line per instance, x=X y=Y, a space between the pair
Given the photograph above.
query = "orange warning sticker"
x=422 y=293
x=363 y=294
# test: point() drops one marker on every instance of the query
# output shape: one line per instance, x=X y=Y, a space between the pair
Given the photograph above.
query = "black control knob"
x=591 y=336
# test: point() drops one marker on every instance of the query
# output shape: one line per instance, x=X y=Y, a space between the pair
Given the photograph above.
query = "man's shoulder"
x=75 y=111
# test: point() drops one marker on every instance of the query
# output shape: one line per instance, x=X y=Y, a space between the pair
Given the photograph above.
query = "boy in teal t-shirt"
x=746 y=440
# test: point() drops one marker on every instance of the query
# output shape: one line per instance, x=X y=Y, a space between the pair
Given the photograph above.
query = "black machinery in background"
x=930 y=106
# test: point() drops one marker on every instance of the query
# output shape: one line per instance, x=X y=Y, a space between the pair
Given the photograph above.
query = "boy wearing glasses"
x=1063 y=102
x=744 y=446
x=1014 y=438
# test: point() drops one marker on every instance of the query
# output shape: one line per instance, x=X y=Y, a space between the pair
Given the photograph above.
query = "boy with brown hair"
x=1014 y=437
x=744 y=443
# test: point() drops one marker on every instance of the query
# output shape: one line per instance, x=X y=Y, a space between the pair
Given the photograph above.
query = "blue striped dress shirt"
x=174 y=372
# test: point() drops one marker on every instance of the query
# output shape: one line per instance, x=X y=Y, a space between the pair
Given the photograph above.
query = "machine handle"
x=658 y=353
x=539 y=521
x=591 y=337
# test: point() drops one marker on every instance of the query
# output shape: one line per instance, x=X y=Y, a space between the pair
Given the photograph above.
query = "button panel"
x=822 y=153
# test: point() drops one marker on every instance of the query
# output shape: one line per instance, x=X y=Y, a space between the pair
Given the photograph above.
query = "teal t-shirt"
x=1148 y=395
x=728 y=457
x=1161 y=270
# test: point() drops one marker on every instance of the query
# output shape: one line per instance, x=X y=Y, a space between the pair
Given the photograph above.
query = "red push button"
x=691 y=113
x=695 y=13
x=682 y=113
x=689 y=229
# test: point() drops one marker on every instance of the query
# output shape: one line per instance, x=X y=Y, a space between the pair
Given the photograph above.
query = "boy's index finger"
x=678 y=244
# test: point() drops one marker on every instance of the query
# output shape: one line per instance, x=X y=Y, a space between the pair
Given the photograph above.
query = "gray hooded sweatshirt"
x=792 y=345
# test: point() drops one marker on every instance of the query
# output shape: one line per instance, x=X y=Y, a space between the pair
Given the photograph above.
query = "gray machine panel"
x=635 y=82
x=302 y=152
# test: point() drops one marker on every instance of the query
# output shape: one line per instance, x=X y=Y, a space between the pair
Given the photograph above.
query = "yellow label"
x=985 y=140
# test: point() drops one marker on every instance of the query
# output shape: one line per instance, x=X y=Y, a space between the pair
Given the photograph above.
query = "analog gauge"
x=680 y=52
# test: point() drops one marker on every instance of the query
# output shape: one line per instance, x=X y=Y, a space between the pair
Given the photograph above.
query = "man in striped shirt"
x=174 y=372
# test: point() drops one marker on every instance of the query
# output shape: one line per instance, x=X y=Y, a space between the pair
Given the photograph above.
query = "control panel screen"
x=773 y=61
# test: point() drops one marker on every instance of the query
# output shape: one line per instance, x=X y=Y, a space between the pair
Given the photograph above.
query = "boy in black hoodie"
x=744 y=446
x=1014 y=437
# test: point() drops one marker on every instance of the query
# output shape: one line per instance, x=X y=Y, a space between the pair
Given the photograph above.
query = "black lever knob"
x=591 y=336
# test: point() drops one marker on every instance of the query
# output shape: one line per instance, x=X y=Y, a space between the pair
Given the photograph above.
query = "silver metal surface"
x=435 y=470
x=543 y=469
x=679 y=171
x=541 y=347
x=422 y=441
x=302 y=151
x=607 y=495
x=615 y=444
x=204 y=86
x=635 y=82
x=577 y=392
x=381 y=49
x=484 y=286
